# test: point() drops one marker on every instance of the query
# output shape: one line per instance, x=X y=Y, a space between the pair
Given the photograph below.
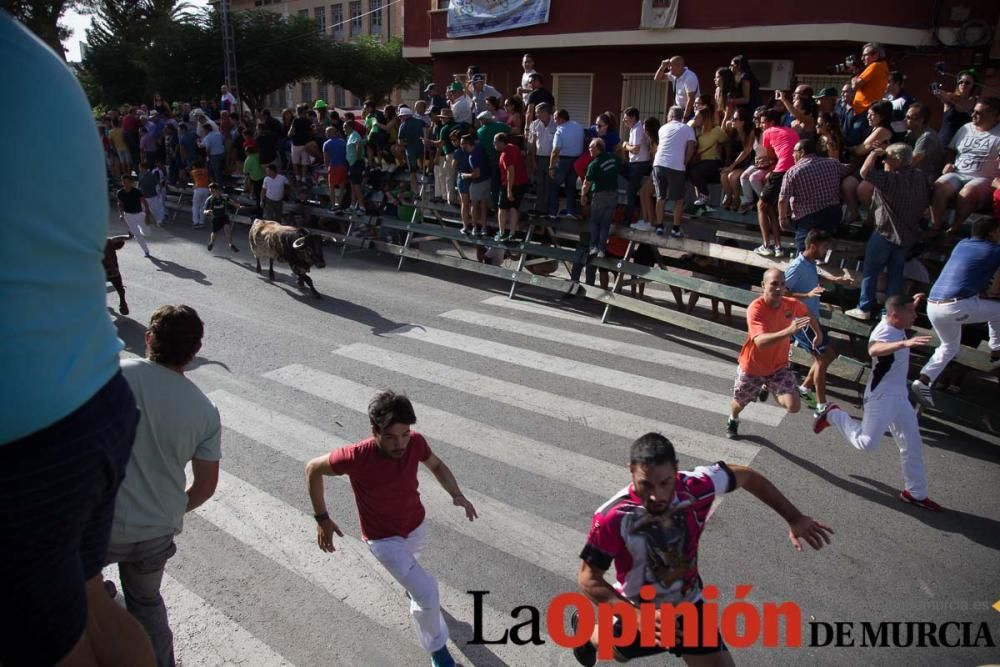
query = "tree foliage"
x=42 y=18
x=140 y=47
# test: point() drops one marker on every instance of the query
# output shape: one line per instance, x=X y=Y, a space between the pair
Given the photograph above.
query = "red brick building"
x=596 y=57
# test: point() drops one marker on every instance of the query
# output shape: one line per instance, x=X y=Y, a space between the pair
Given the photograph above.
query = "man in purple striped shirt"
x=810 y=193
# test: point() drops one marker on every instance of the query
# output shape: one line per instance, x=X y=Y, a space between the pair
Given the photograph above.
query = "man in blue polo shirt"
x=954 y=301
x=567 y=146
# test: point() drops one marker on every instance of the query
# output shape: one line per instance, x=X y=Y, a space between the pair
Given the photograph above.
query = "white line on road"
x=600 y=375
x=203 y=635
x=531 y=538
x=615 y=422
x=567 y=467
x=687 y=362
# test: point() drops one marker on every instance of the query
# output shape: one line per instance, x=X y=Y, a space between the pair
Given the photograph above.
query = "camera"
x=849 y=66
x=936 y=87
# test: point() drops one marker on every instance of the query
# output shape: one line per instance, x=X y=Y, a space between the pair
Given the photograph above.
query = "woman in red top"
x=513 y=185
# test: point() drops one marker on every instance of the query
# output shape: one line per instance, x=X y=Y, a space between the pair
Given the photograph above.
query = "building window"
x=442 y=4
x=319 y=13
x=337 y=20
x=375 y=9
x=307 y=92
x=321 y=91
x=355 y=9
x=338 y=97
x=574 y=93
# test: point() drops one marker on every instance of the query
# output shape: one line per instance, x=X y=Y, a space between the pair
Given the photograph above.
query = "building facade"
x=596 y=57
x=338 y=20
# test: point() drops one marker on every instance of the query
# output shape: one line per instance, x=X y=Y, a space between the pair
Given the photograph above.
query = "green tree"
x=42 y=18
x=369 y=68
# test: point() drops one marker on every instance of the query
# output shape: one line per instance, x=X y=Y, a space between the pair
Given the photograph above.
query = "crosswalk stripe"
x=203 y=635
x=600 y=375
x=686 y=362
x=513 y=531
x=577 y=470
x=351 y=574
x=615 y=422
x=591 y=320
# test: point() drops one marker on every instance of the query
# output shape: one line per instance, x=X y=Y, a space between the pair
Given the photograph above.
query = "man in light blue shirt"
x=69 y=417
x=567 y=146
x=179 y=425
x=215 y=145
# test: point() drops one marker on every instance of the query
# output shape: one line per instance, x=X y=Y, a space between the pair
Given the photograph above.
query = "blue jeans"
x=580 y=262
x=881 y=254
x=566 y=177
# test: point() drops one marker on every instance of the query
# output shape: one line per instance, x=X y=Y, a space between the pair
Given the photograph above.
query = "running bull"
x=297 y=247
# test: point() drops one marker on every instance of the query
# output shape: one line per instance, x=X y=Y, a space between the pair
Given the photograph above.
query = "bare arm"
x=689 y=151
x=800 y=525
x=661 y=72
x=765 y=339
x=869 y=164
x=885 y=349
x=316 y=469
x=592 y=583
x=206 y=479
x=448 y=482
x=689 y=105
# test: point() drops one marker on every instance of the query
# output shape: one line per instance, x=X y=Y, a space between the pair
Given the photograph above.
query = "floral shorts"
x=780 y=382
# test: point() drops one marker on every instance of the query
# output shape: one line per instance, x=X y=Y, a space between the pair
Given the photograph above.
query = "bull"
x=297 y=247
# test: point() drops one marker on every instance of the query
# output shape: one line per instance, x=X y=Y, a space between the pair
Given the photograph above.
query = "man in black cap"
x=826 y=100
x=479 y=90
x=433 y=97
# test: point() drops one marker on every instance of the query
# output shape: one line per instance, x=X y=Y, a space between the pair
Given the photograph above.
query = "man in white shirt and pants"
x=541 y=132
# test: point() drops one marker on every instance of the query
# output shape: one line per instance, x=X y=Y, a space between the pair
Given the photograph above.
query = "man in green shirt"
x=600 y=186
x=254 y=176
x=489 y=127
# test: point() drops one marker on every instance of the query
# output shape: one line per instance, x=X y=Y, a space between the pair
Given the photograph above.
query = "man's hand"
x=917 y=298
x=798 y=324
x=918 y=341
x=815 y=291
x=463 y=502
x=324 y=535
x=948 y=168
x=808 y=529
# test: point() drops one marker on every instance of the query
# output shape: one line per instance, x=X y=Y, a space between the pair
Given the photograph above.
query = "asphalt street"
x=533 y=404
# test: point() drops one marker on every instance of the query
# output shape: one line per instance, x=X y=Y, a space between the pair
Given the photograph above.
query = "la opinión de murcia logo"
x=741 y=624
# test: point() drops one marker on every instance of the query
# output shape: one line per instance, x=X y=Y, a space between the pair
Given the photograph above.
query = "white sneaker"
x=701 y=201
x=764 y=251
x=778 y=252
x=641 y=226
x=923 y=393
x=858 y=314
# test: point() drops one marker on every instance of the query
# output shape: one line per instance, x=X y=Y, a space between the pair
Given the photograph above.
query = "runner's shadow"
x=183 y=272
x=197 y=362
x=461 y=633
x=979 y=529
x=132 y=333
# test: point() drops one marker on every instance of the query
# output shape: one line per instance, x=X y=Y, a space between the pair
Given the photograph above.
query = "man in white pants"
x=133 y=209
x=954 y=301
x=383 y=472
x=887 y=404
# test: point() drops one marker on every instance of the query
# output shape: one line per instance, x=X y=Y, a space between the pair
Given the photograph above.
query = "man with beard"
x=383 y=473
x=650 y=532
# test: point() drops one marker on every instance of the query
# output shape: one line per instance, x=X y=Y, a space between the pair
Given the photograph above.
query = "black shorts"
x=57 y=501
x=635 y=650
x=772 y=188
x=356 y=172
x=505 y=203
x=218 y=222
x=670 y=184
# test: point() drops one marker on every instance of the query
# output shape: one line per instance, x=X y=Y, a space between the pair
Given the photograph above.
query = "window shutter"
x=572 y=93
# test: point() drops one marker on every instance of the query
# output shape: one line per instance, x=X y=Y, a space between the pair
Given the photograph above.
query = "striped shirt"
x=812 y=185
x=640 y=544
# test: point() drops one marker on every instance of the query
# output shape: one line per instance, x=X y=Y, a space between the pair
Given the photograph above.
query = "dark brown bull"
x=297 y=247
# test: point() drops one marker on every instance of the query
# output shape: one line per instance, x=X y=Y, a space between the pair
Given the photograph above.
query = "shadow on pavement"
x=183 y=272
x=132 y=333
x=461 y=633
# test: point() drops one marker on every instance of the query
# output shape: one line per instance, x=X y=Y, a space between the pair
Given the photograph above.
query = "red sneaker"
x=821 y=423
x=926 y=503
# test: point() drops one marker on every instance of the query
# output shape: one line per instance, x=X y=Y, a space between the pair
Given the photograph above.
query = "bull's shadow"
x=339 y=307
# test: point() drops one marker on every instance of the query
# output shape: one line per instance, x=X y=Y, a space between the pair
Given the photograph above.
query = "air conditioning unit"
x=773 y=74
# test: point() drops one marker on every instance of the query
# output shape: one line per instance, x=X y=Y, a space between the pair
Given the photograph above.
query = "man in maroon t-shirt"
x=383 y=474
x=650 y=531
x=513 y=185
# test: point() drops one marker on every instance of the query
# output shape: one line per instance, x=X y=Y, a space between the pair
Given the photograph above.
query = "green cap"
x=319 y=104
x=455 y=86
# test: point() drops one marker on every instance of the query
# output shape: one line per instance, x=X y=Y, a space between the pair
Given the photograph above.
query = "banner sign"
x=658 y=14
x=467 y=18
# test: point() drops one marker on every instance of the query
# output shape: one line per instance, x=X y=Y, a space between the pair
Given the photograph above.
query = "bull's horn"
x=299 y=242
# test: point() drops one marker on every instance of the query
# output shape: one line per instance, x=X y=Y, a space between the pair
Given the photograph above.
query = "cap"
x=455 y=87
x=826 y=92
x=485 y=115
x=319 y=104
x=405 y=111
x=430 y=86
x=446 y=113
x=478 y=77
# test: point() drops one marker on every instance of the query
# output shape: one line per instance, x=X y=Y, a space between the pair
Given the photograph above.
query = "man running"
x=887 y=403
x=383 y=473
x=772 y=320
x=650 y=532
